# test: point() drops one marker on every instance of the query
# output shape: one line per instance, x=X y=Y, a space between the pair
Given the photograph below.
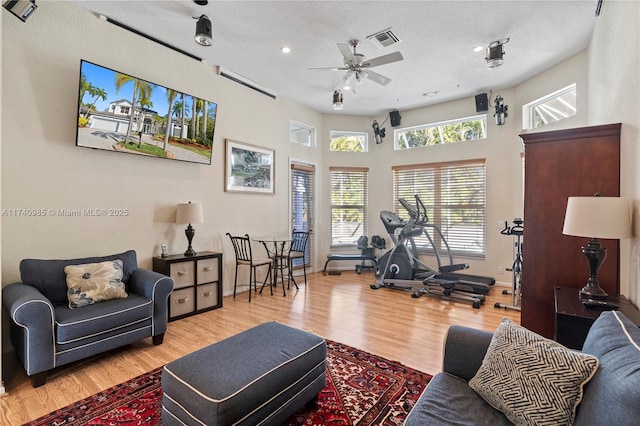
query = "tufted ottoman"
x=260 y=376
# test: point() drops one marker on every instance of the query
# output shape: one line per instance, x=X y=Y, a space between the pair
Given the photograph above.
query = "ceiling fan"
x=358 y=67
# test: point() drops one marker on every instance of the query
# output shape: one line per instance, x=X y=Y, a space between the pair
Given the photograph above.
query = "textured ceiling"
x=437 y=42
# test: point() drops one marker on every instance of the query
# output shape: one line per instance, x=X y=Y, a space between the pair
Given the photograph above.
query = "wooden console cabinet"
x=198 y=282
x=560 y=164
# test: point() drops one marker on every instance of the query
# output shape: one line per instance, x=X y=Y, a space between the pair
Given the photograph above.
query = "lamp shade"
x=598 y=217
x=189 y=213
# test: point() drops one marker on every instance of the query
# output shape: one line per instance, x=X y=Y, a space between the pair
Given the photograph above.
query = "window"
x=348 y=205
x=302 y=207
x=454 y=195
x=349 y=141
x=464 y=129
x=551 y=108
x=301 y=134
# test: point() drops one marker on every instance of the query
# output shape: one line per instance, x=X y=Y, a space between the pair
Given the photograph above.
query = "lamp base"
x=594 y=254
x=595 y=293
x=190 y=232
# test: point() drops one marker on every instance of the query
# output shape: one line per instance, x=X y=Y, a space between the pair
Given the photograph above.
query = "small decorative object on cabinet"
x=198 y=282
x=560 y=164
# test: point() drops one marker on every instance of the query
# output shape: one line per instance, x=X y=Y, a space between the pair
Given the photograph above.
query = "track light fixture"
x=21 y=8
x=337 y=100
x=203 y=31
x=501 y=111
x=495 y=53
x=378 y=133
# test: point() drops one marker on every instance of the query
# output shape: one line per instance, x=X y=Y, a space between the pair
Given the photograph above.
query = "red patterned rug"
x=362 y=389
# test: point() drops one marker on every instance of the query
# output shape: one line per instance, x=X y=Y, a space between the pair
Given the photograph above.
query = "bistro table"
x=278 y=248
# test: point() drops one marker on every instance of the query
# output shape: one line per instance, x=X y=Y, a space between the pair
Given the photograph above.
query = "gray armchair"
x=46 y=333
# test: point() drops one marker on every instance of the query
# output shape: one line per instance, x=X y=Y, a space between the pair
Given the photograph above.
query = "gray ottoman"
x=260 y=376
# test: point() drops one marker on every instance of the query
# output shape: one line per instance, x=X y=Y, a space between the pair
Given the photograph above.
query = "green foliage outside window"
x=442 y=133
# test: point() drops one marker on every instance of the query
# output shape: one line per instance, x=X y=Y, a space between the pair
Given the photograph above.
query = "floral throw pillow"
x=94 y=282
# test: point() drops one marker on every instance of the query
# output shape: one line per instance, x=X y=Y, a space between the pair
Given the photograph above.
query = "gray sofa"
x=46 y=333
x=611 y=397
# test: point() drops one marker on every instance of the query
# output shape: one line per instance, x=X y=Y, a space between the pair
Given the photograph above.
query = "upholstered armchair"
x=59 y=314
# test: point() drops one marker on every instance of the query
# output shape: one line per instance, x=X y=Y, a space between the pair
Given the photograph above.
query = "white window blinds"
x=454 y=194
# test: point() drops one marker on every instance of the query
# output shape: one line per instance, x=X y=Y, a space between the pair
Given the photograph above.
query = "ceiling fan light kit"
x=358 y=68
x=203 y=31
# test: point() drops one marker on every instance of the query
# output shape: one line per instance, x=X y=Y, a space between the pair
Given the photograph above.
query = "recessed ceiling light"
x=285 y=49
x=478 y=48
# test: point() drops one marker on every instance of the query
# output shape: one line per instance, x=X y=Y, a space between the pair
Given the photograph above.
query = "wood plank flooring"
x=342 y=308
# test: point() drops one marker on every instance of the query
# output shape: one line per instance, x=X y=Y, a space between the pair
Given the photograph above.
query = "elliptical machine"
x=400 y=268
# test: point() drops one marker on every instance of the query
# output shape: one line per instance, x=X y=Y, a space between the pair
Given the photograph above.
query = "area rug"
x=362 y=389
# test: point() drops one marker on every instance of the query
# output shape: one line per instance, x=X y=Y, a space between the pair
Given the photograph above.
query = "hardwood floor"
x=338 y=307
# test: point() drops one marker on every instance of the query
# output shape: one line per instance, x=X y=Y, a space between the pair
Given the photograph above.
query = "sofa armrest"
x=157 y=287
x=31 y=327
x=464 y=350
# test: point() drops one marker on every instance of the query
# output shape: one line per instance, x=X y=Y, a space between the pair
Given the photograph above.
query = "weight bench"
x=361 y=257
x=367 y=254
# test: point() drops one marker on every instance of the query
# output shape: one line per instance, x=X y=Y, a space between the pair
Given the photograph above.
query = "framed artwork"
x=249 y=168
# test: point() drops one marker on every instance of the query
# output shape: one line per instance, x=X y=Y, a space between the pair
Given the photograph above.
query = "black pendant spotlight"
x=501 y=111
x=495 y=53
x=203 y=31
x=337 y=100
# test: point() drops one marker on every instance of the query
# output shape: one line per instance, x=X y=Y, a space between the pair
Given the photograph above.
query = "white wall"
x=614 y=85
x=42 y=167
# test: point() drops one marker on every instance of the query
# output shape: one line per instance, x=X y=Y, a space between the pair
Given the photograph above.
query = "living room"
x=41 y=167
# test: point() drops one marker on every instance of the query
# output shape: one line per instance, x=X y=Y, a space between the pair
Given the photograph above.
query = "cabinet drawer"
x=182 y=274
x=181 y=302
x=207 y=270
x=207 y=296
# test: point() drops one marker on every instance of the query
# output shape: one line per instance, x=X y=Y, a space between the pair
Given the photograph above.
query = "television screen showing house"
x=122 y=113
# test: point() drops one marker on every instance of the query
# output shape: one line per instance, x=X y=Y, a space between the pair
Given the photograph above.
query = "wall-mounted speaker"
x=482 y=102
x=394 y=117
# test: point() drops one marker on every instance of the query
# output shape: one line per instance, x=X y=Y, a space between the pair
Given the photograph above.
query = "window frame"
x=528 y=110
x=439 y=125
x=310 y=141
x=437 y=210
x=335 y=134
x=307 y=173
x=343 y=173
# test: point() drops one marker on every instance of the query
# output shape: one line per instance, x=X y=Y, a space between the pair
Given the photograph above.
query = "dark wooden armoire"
x=560 y=164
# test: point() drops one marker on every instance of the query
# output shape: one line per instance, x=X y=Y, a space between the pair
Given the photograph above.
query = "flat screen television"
x=122 y=113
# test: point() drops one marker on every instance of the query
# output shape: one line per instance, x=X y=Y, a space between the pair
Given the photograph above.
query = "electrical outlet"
x=501 y=225
x=501 y=269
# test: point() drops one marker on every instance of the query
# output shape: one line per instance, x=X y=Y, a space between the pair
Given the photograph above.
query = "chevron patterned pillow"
x=532 y=380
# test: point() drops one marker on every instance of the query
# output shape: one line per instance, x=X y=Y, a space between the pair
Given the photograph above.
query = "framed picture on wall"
x=249 y=168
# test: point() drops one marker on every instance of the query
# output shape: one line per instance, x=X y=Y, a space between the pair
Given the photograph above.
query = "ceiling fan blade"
x=378 y=78
x=345 y=49
x=381 y=60
x=328 y=69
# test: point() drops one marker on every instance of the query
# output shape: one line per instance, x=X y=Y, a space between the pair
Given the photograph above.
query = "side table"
x=573 y=319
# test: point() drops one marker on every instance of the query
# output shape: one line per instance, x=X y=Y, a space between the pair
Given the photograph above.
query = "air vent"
x=384 y=38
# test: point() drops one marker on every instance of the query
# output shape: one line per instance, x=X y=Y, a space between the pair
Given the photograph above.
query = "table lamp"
x=597 y=217
x=189 y=213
